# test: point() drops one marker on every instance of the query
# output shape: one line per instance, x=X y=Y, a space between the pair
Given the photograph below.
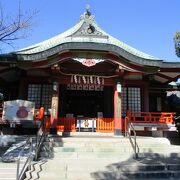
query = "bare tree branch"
x=1 y=16
x=15 y=28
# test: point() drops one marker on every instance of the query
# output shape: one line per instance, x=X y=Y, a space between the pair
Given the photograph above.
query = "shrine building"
x=88 y=80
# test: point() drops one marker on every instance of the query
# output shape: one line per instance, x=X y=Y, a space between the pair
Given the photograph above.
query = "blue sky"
x=147 y=25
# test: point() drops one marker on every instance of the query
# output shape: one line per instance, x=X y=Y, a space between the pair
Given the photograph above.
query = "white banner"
x=86 y=123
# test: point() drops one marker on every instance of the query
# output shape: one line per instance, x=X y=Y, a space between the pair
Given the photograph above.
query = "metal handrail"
x=128 y=132
x=40 y=137
x=19 y=174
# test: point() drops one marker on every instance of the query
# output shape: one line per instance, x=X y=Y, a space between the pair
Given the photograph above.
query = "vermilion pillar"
x=54 y=105
x=117 y=113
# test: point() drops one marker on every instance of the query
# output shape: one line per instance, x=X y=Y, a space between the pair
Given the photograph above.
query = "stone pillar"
x=54 y=106
x=117 y=111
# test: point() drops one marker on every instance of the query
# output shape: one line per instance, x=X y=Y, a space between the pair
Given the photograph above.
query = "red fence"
x=151 y=117
x=47 y=124
x=65 y=124
x=105 y=125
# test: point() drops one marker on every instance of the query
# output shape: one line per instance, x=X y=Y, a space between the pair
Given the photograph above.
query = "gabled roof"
x=85 y=31
x=87 y=36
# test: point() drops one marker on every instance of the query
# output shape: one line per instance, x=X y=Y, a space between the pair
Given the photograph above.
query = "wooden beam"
x=163 y=76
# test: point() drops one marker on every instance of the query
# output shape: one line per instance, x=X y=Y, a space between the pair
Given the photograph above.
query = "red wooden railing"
x=47 y=124
x=65 y=124
x=151 y=117
x=105 y=125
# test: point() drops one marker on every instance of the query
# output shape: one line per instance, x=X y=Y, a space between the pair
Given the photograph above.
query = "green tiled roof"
x=52 y=42
x=78 y=34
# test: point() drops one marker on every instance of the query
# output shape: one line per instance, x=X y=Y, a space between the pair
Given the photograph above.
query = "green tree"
x=177 y=43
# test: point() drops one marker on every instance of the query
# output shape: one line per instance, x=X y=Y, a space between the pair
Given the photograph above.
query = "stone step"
x=110 y=159
x=90 y=155
x=113 y=138
x=109 y=148
x=93 y=149
x=158 y=150
x=72 y=176
x=113 y=165
x=173 y=167
x=87 y=139
x=7 y=170
x=142 y=142
x=87 y=142
x=91 y=178
x=64 y=164
x=68 y=151
x=146 y=167
x=108 y=175
x=95 y=145
x=151 y=175
x=134 y=175
x=7 y=173
x=90 y=144
x=8 y=165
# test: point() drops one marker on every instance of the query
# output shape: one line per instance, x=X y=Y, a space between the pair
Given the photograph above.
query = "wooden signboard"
x=18 y=110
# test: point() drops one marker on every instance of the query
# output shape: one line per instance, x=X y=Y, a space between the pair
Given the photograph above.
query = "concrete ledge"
x=69 y=134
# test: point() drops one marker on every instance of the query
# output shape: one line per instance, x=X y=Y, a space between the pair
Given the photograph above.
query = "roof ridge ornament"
x=87 y=15
x=89 y=27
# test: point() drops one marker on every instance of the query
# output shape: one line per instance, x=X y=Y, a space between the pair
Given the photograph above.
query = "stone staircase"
x=109 y=158
x=81 y=157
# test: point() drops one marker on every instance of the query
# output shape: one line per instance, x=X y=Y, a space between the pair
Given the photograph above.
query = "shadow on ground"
x=147 y=166
x=47 y=150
